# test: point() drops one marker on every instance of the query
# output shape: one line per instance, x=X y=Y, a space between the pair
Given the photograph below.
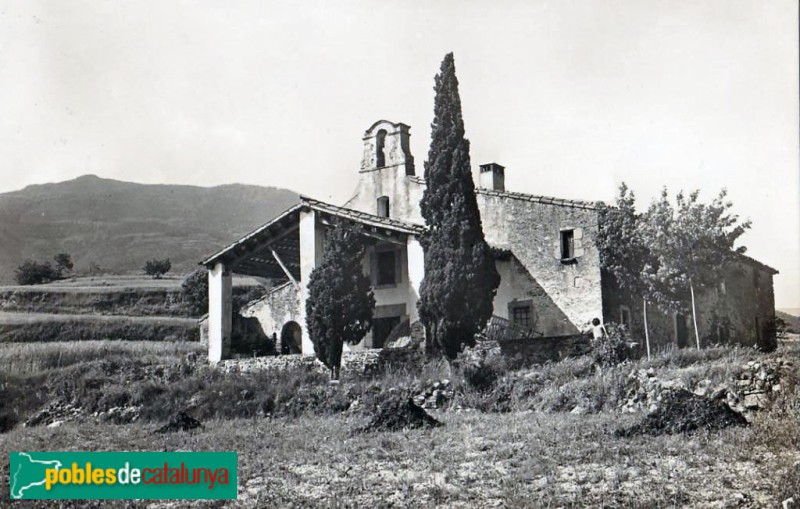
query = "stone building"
x=546 y=255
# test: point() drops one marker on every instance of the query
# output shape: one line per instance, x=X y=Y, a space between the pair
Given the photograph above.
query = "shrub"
x=157 y=268
x=63 y=263
x=484 y=374
x=612 y=348
x=195 y=292
x=34 y=273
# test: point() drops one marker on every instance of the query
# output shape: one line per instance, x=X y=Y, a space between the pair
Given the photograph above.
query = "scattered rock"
x=55 y=411
x=180 y=422
x=680 y=411
x=434 y=395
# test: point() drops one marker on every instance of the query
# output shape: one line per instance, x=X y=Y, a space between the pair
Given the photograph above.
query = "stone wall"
x=518 y=287
x=549 y=349
x=531 y=231
x=362 y=362
x=736 y=312
x=280 y=306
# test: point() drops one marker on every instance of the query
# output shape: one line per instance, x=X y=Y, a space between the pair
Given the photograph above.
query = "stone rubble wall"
x=361 y=362
x=754 y=388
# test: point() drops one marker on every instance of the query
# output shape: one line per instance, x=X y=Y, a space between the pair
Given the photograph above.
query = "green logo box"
x=123 y=475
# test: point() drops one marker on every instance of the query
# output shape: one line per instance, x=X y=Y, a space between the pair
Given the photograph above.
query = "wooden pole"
x=646 y=332
x=694 y=315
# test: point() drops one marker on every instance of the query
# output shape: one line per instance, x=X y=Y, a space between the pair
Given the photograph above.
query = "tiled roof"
x=327 y=208
x=363 y=217
x=762 y=266
x=547 y=200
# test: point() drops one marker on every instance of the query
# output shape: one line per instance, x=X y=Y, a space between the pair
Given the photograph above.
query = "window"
x=520 y=313
x=567 y=244
x=521 y=316
x=387 y=268
x=380 y=155
x=625 y=316
x=383 y=206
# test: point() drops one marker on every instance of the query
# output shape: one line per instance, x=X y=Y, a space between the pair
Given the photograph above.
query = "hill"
x=119 y=225
x=792 y=321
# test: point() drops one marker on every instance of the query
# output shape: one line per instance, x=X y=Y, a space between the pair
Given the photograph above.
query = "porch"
x=286 y=250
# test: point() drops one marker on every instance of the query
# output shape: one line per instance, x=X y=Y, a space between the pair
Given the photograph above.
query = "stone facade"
x=737 y=311
x=563 y=295
x=546 y=254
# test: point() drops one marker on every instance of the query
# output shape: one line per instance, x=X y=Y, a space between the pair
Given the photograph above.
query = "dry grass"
x=42 y=327
x=476 y=460
x=37 y=358
x=545 y=457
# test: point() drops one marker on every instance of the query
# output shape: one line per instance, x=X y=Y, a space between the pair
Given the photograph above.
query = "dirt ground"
x=522 y=459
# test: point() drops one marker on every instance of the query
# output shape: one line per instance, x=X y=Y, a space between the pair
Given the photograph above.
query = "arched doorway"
x=291 y=338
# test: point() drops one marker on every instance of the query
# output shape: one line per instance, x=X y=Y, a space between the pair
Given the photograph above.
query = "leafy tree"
x=195 y=292
x=340 y=301
x=692 y=244
x=460 y=276
x=63 y=263
x=623 y=250
x=157 y=268
x=34 y=273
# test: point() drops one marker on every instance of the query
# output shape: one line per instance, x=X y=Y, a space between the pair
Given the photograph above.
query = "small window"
x=383 y=206
x=625 y=316
x=387 y=268
x=521 y=315
x=567 y=244
x=380 y=155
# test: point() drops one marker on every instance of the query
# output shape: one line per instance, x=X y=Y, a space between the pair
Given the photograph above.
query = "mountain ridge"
x=118 y=225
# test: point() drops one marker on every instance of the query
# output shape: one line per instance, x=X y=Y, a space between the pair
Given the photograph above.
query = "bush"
x=484 y=374
x=63 y=263
x=195 y=292
x=612 y=349
x=34 y=273
x=157 y=268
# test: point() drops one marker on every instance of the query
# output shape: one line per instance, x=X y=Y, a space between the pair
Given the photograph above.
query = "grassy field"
x=44 y=327
x=40 y=358
x=114 y=283
x=297 y=444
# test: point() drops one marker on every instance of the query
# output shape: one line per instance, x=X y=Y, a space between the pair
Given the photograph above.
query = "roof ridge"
x=548 y=200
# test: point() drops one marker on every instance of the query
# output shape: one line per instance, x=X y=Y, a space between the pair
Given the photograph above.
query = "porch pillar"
x=416 y=271
x=310 y=254
x=219 y=312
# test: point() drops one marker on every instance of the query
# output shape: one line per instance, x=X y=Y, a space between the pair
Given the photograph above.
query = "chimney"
x=493 y=177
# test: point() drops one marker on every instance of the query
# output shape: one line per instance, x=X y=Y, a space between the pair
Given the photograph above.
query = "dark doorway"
x=291 y=338
x=681 y=331
x=381 y=327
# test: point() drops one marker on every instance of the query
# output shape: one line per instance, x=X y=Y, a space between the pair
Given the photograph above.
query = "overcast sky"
x=572 y=97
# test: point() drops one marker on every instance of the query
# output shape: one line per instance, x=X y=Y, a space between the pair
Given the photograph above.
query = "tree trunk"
x=694 y=315
x=646 y=332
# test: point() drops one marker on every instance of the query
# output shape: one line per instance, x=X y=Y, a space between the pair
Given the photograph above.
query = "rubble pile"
x=680 y=411
x=180 y=422
x=54 y=414
x=395 y=411
x=435 y=395
x=751 y=390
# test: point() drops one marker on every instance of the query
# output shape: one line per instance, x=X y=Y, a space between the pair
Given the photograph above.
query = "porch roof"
x=263 y=251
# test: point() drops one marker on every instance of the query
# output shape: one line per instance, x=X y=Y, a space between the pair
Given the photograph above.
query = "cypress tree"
x=340 y=301
x=460 y=276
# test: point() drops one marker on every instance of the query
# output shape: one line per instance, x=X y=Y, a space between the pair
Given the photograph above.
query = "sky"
x=572 y=97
